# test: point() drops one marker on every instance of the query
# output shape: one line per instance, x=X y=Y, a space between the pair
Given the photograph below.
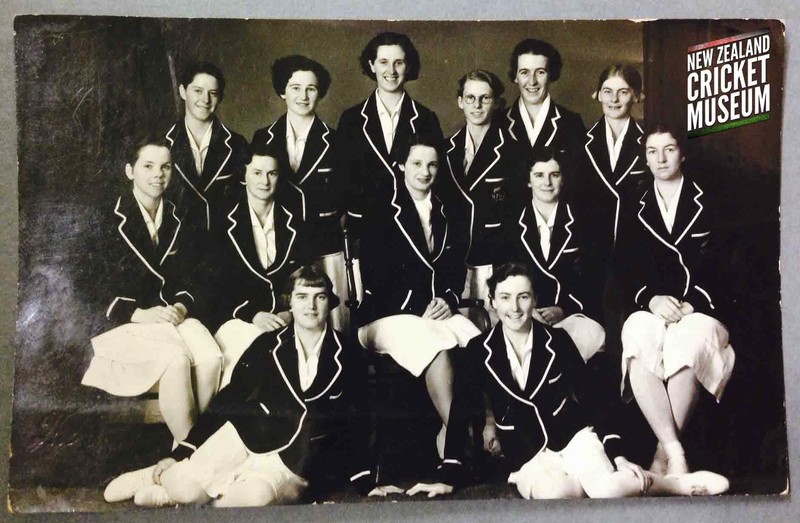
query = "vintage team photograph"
x=276 y=262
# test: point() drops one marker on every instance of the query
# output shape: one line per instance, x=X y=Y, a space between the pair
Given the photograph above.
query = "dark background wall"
x=84 y=84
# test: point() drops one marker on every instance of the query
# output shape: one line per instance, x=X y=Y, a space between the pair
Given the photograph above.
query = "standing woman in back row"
x=371 y=133
x=306 y=147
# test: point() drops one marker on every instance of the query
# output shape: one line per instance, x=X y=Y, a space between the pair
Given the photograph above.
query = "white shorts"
x=234 y=337
x=414 y=342
x=587 y=335
x=129 y=359
x=697 y=341
x=223 y=460
x=583 y=455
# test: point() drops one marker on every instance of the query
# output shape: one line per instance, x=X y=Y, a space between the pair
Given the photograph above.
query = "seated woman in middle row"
x=260 y=243
x=413 y=276
x=546 y=236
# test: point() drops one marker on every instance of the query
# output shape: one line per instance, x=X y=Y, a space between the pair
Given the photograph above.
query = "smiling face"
x=302 y=93
x=533 y=78
x=421 y=167
x=546 y=181
x=261 y=178
x=201 y=96
x=151 y=172
x=389 y=67
x=309 y=306
x=664 y=156
x=617 y=98
x=477 y=102
x=514 y=302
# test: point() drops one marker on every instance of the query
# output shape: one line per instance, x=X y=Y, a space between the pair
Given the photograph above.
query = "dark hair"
x=628 y=73
x=415 y=139
x=543 y=154
x=262 y=149
x=370 y=52
x=311 y=276
x=284 y=68
x=505 y=271
x=135 y=145
x=482 y=75
x=192 y=69
x=540 y=47
x=662 y=128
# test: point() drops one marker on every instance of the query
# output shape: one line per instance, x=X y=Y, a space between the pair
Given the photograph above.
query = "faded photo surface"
x=297 y=261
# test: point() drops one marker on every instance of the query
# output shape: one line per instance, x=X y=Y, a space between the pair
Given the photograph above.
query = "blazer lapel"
x=219 y=153
x=541 y=360
x=514 y=125
x=455 y=156
x=689 y=209
x=373 y=133
x=406 y=126
x=317 y=146
x=285 y=232
x=549 y=127
x=597 y=149
x=487 y=155
x=329 y=368
x=276 y=134
x=496 y=361
x=562 y=232
x=409 y=221
x=439 y=225
x=240 y=232
x=530 y=235
x=650 y=216
x=181 y=153
x=629 y=153
x=168 y=232
x=134 y=233
x=285 y=355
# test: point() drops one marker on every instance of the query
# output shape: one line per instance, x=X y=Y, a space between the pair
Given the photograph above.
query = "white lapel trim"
x=569 y=237
x=234 y=223
x=696 y=215
x=553 y=121
x=549 y=363
x=291 y=389
x=496 y=159
x=291 y=240
x=338 y=371
x=636 y=158
x=171 y=141
x=136 y=251
x=461 y=190
x=322 y=154
x=533 y=256
x=174 y=235
x=224 y=162
x=369 y=138
x=603 y=178
x=665 y=242
x=512 y=121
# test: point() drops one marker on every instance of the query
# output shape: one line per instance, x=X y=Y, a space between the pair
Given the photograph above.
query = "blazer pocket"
x=700 y=234
x=324 y=169
x=335 y=396
x=503 y=427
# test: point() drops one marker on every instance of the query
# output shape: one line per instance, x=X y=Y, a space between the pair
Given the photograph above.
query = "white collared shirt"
x=152 y=227
x=471 y=147
x=520 y=370
x=534 y=128
x=199 y=152
x=668 y=208
x=424 y=209
x=264 y=236
x=307 y=367
x=296 y=143
x=615 y=147
x=389 y=119
x=545 y=228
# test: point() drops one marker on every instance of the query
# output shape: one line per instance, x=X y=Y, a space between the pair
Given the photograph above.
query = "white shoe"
x=153 y=496
x=125 y=486
x=701 y=483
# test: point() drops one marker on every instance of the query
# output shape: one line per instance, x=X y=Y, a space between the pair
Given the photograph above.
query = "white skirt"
x=413 y=342
x=697 y=341
x=129 y=359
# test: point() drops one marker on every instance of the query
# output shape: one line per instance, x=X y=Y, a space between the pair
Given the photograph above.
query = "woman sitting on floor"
x=557 y=448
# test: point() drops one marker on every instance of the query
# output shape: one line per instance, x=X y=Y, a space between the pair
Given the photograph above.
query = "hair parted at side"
x=370 y=52
x=505 y=271
x=135 y=144
x=627 y=72
x=663 y=128
x=414 y=140
x=310 y=276
x=540 y=47
x=192 y=69
x=284 y=68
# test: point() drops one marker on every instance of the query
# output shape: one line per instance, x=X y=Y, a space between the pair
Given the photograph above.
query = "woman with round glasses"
x=482 y=166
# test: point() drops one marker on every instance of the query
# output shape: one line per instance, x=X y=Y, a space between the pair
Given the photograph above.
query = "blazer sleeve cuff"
x=363 y=481
x=121 y=309
x=451 y=472
x=643 y=296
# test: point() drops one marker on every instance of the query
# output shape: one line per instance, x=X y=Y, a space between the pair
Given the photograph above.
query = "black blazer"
x=201 y=195
x=605 y=196
x=141 y=275
x=400 y=276
x=485 y=197
x=243 y=286
x=682 y=264
x=543 y=415
x=318 y=178
x=271 y=413
x=368 y=166
x=563 y=130
x=561 y=278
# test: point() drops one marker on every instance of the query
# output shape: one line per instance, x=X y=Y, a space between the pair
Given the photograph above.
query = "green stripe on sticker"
x=729 y=125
